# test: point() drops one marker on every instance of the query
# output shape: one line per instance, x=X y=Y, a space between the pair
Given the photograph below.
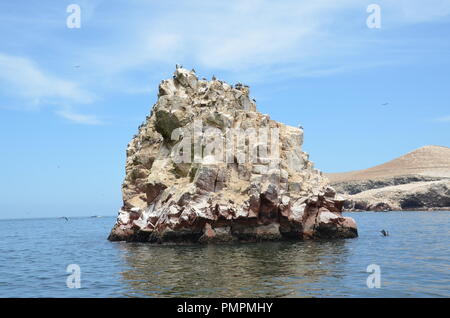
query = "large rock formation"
x=206 y=166
x=419 y=180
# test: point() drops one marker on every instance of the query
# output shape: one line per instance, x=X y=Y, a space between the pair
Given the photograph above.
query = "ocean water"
x=414 y=261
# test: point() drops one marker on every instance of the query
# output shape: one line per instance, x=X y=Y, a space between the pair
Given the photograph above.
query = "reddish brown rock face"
x=207 y=167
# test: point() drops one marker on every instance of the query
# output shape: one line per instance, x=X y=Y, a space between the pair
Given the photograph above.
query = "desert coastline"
x=416 y=181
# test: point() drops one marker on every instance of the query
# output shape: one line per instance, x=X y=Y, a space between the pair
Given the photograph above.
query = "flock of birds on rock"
x=214 y=78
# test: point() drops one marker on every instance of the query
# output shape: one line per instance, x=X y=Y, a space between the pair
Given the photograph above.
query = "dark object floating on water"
x=65 y=218
x=384 y=233
x=96 y=216
x=385 y=104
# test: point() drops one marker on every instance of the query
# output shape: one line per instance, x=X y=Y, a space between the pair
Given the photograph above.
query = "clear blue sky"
x=71 y=99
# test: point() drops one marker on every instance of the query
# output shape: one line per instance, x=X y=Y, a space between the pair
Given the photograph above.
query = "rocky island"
x=419 y=180
x=206 y=166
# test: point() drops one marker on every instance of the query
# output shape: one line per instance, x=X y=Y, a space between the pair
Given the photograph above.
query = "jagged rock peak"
x=206 y=166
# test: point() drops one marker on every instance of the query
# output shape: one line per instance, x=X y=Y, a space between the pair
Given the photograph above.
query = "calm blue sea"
x=414 y=262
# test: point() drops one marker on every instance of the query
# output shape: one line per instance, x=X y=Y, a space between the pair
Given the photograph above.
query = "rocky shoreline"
x=207 y=167
x=409 y=210
x=419 y=196
x=419 y=180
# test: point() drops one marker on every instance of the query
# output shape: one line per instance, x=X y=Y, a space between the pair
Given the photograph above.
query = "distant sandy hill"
x=428 y=161
x=417 y=180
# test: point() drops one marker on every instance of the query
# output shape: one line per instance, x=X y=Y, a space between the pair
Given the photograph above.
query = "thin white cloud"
x=231 y=35
x=22 y=79
x=415 y=11
x=20 y=76
x=443 y=119
x=250 y=35
x=79 y=118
